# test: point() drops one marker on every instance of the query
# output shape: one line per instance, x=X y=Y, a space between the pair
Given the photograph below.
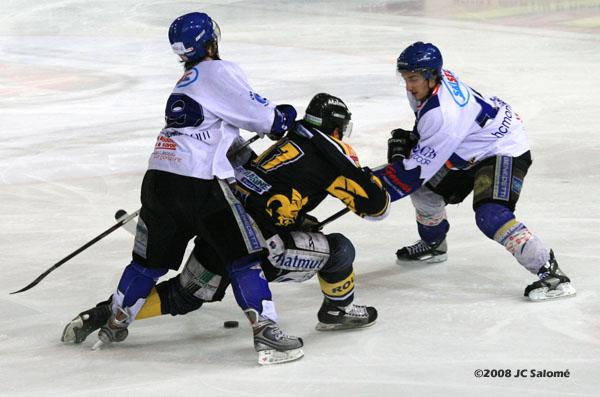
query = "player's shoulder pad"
x=347 y=150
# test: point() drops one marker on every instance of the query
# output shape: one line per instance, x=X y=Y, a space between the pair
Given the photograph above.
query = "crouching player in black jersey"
x=278 y=188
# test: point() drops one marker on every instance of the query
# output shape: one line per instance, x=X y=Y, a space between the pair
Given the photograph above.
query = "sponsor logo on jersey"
x=165 y=143
x=458 y=91
x=504 y=127
x=252 y=181
x=188 y=78
x=423 y=154
x=255 y=97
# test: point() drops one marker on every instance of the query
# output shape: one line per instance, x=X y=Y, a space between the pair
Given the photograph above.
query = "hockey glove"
x=309 y=224
x=285 y=116
x=401 y=144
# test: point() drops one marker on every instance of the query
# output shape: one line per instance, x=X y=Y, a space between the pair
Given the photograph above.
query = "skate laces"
x=355 y=310
x=419 y=247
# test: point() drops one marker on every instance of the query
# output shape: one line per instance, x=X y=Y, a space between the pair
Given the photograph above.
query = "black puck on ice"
x=120 y=213
x=231 y=324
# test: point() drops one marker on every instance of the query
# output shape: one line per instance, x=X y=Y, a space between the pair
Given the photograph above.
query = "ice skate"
x=332 y=317
x=422 y=251
x=78 y=329
x=553 y=283
x=272 y=344
x=115 y=329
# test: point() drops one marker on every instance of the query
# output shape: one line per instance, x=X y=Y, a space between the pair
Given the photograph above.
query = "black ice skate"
x=333 y=318
x=273 y=345
x=422 y=251
x=115 y=329
x=86 y=322
x=553 y=283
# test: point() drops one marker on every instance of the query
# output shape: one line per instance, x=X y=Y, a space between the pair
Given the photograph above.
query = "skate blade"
x=269 y=357
x=561 y=291
x=98 y=345
x=426 y=259
x=340 y=327
x=69 y=335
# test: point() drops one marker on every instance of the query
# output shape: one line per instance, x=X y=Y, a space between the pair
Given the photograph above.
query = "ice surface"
x=83 y=86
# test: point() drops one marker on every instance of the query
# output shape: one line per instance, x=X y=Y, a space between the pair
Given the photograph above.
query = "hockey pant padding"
x=175 y=299
x=250 y=287
x=430 y=209
x=135 y=285
x=498 y=223
x=296 y=256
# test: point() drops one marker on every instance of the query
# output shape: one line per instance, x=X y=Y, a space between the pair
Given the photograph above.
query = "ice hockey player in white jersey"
x=463 y=142
x=185 y=194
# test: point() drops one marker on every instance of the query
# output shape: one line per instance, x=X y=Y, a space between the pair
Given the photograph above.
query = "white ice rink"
x=82 y=92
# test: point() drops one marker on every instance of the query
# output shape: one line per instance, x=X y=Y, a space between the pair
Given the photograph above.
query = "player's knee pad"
x=175 y=298
x=297 y=256
x=492 y=217
x=342 y=253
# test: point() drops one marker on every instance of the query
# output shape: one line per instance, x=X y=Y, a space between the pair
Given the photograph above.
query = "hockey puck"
x=231 y=324
x=119 y=214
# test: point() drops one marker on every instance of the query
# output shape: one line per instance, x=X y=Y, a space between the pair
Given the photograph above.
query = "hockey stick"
x=78 y=250
x=333 y=217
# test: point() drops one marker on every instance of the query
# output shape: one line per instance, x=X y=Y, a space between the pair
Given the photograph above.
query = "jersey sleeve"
x=231 y=98
x=437 y=143
x=361 y=191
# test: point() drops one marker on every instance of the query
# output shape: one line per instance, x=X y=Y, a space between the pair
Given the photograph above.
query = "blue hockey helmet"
x=424 y=58
x=190 y=33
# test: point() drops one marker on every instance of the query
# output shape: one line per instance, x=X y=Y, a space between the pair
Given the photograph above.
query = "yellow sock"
x=338 y=290
x=151 y=307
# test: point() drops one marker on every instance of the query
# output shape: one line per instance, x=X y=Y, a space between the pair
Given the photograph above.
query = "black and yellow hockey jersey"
x=295 y=174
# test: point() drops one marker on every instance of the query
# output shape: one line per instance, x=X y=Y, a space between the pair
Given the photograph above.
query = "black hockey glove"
x=309 y=224
x=401 y=144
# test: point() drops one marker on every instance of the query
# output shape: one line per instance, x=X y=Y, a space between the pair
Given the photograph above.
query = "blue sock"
x=433 y=234
x=490 y=217
x=137 y=281
x=250 y=286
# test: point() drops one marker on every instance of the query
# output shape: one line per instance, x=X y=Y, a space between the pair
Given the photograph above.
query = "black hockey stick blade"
x=77 y=251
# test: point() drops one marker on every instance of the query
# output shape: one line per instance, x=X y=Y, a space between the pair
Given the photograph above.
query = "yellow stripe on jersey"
x=339 y=289
x=151 y=307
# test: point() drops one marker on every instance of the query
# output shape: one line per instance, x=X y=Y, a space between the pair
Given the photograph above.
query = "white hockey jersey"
x=458 y=127
x=203 y=116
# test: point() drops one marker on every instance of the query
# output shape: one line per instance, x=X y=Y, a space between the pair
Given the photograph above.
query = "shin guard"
x=135 y=285
x=251 y=289
x=498 y=223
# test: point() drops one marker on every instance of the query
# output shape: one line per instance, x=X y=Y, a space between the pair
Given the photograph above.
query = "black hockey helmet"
x=327 y=113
